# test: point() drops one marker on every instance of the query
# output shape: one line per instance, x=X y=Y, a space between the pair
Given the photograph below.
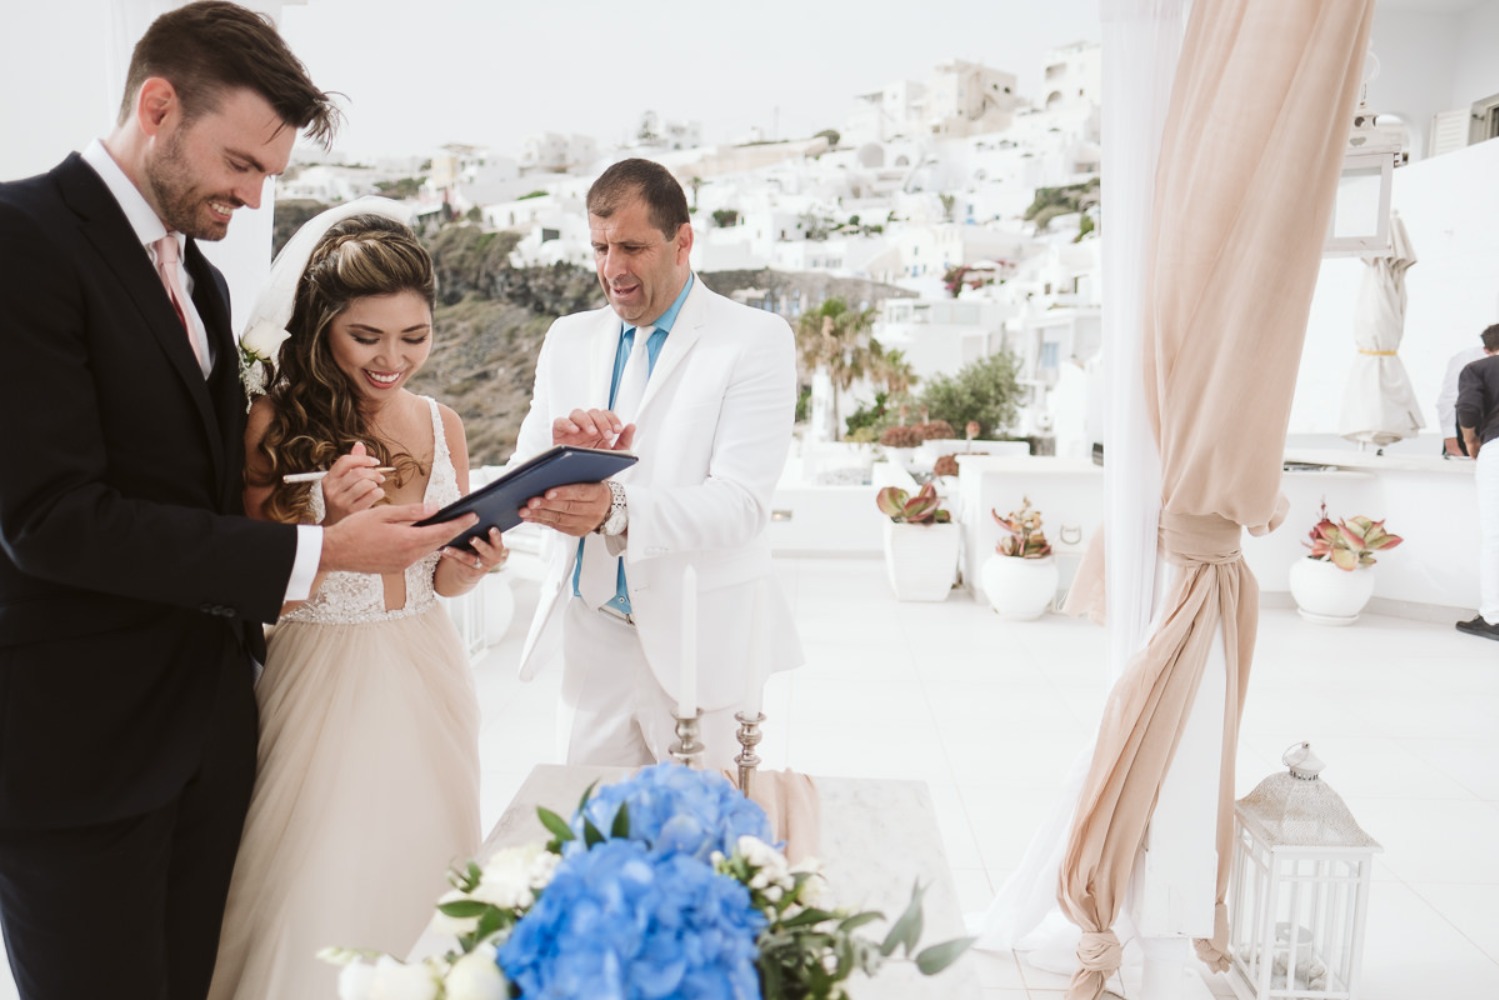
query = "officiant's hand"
x=573 y=510
x=352 y=484
x=385 y=539
x=593 y=429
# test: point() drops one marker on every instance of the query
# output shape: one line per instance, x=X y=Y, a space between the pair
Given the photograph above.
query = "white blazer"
x=712 y=433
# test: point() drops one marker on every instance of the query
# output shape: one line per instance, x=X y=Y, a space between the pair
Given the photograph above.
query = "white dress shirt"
x=1447 y=398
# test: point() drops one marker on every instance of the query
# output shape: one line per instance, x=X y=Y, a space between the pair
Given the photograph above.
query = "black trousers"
x=131 y=909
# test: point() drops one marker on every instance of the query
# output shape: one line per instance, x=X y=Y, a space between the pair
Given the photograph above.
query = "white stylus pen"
x=313 y=477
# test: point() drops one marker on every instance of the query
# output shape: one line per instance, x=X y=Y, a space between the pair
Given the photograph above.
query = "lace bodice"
x=354 y=598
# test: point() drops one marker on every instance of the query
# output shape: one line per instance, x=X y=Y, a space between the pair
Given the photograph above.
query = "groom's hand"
x=384 y=539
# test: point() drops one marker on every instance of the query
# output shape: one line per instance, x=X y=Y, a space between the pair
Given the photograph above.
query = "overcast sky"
x=419 y=73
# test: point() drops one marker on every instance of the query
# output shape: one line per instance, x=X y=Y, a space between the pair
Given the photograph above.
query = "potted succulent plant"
x=900 y=443
x=1334 y=582
x=1020 y=578
x=921 y=544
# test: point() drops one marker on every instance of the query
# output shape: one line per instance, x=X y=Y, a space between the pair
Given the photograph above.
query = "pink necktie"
x=166 y=267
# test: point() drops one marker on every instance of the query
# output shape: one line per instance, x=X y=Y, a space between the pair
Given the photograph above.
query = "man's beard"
x=182 y=207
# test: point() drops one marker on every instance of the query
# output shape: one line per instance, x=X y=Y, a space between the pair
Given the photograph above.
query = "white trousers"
x=1486 y=477
x=614 y=711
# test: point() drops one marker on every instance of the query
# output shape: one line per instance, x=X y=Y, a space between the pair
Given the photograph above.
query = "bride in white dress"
x=368 y=782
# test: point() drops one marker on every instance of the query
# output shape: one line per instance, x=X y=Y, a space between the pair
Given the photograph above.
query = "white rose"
x=263 y=340
x=475 y=976
x=510 y=876
x=356 y=981
x=543 y=867
x=808 y=864
x=814 y=892
x=394 y=981
x=456 y=926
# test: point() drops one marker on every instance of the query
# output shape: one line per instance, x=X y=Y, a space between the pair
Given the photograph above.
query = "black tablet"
x=497 y=503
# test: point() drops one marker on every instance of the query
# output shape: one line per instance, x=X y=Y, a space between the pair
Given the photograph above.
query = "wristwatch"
x=618 y=518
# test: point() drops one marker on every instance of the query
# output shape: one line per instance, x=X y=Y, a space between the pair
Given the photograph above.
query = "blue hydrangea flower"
x=676 y=810
x=621 y=923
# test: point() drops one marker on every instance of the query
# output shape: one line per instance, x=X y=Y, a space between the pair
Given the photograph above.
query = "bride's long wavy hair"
x=315 y=414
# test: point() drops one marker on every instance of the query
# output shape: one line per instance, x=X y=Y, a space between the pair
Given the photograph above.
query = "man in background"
x=1452 y=442
x=703 y=389
x=1478 y=422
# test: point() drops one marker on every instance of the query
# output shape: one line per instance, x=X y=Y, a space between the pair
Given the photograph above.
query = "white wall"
x=1476 y=68
x=1449 y=204
x=53 y=73
x=62 y=67
x=1432 y=61
x=1414 y=49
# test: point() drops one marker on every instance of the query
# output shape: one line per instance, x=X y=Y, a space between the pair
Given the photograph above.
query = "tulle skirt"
x=367 y=792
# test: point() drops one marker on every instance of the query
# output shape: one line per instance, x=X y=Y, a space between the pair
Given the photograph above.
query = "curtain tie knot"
x=1099 y=951
x=1189 y=539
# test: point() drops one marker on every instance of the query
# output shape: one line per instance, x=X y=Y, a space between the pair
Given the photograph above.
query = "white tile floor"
x=990 y=715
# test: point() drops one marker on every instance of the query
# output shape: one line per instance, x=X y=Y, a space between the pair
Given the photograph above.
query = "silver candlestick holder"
x=688 y=750
x=749 y=737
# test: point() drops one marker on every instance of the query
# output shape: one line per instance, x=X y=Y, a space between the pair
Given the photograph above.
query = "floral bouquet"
x=661 y=887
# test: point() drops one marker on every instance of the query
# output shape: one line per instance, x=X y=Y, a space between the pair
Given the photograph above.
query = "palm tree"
x=891 y=369
x=835 y=338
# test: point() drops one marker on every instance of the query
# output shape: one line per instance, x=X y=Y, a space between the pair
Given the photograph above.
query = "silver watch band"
x=618 y=518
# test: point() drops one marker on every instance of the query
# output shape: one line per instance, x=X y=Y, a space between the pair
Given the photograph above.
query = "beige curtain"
x=1254 y=141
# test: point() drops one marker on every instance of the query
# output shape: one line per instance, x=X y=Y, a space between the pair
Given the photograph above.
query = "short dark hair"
x=644 y=179
x=1491 y=338
x=212 y=46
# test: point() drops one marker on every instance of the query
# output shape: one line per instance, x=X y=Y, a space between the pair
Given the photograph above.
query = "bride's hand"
x=352 y=485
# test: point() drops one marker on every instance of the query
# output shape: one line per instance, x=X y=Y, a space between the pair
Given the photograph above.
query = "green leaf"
x=939 y=956
x=462 y=909
x=491 y=922
x=587 y=794
x=907 y=930
x=556 y=825
x=621 y=828
x=591 y=835
x=859 y=920
x=808 y=918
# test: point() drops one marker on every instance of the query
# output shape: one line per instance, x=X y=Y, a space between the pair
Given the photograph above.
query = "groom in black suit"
x=130 y=588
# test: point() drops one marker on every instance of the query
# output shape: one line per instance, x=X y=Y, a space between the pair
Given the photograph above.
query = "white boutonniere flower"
x=263 y=341
x=258 y=347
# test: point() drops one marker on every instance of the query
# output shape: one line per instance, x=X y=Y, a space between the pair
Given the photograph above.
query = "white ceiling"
x=1430 y=6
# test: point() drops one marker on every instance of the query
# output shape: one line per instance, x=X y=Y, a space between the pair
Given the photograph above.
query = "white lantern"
x=1299 y=892
x=1360 y=223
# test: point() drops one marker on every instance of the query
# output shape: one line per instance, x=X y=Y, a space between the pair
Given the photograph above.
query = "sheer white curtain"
x=1141 y=43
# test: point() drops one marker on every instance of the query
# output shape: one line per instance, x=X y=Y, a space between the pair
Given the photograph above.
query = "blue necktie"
x=627 y=388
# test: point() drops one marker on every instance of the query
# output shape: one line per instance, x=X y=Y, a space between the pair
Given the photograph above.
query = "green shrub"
x=986 y=391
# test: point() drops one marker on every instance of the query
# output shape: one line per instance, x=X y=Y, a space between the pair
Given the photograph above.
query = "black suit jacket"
x=128 y=592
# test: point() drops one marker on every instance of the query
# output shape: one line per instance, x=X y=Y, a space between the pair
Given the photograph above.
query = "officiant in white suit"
x=703 y=390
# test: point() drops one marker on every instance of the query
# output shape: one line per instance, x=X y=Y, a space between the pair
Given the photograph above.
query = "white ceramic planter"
x=1019 y=589
x=921 y=560
x=1329 y=595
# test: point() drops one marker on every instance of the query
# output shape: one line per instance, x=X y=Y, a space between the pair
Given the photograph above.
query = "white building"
x=940 y=336
x=557 y=153
x=331 y=183
x=959 y=99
